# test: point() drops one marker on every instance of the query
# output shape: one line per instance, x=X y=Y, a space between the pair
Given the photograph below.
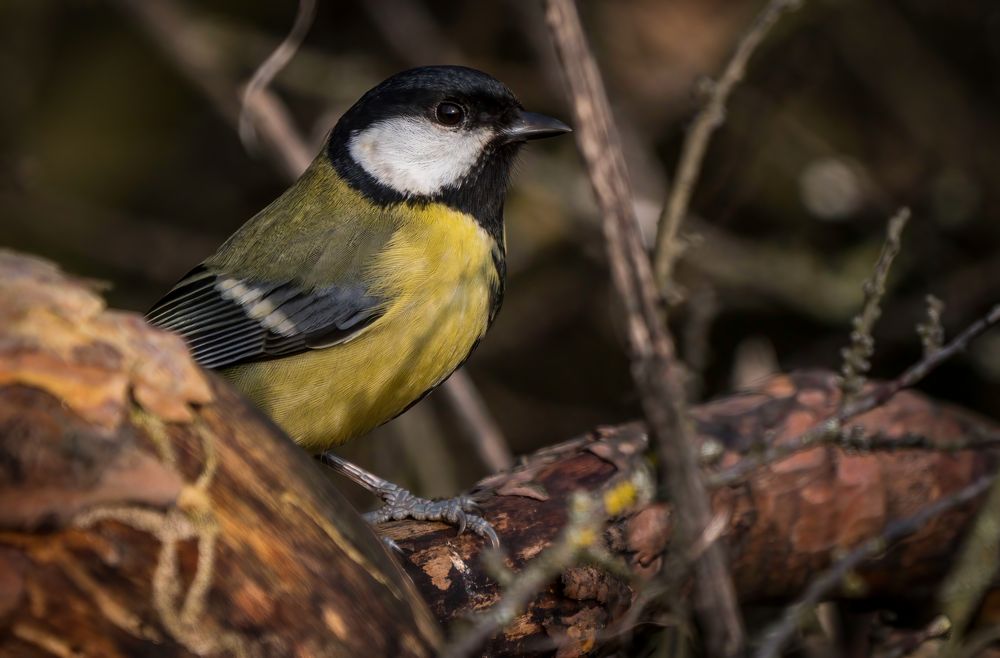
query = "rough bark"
x=146 y=510
x=785 y=523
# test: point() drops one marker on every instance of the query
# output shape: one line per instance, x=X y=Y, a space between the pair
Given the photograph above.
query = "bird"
x=371 y=279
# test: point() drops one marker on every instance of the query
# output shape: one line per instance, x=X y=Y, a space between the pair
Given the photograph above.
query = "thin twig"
x=775 y=638
x=695 y=337
x=485 y=435
x=270 y=68
x=580 y=540
x=856 y=440
x=878 y=395
x=972 y=439
x=938 y=627
x=931 y=331
x=980 y=641
x=202 y=63
x=658 y=376
x=857 y=356
x=708 y=119
x=973 y=574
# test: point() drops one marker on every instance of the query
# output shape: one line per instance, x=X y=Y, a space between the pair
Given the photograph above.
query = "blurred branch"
x=487 y=437
x=931 y=331
x=910 y=644
x=201 y=63
x=972 y=575
x=779 y=533
x=409 y=28
x=271 y=66
x=781 y=632
x=787 y=273
x=878 y=394
x=578 y=541
x=166 y=459
x=708 y=119
x=857 y=356
x=696 y=336
x=658 y=375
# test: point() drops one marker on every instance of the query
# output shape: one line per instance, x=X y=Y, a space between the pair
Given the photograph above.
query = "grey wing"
x=226 y=320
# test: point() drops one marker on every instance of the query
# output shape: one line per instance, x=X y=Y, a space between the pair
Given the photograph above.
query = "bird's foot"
x=400 y=504
x=460 y=511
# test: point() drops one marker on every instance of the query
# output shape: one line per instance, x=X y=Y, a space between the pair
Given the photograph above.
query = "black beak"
x=530 y=125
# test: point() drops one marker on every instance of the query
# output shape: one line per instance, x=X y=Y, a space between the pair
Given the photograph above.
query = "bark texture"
x=145 y=509
x=781 y=526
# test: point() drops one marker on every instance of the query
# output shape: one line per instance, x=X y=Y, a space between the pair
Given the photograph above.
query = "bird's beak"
x=531 y=125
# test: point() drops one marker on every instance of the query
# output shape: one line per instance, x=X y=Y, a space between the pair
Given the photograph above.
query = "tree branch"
x=162 y=512
x=776 y=637
x=707 y=120
x=876 y=395
x=787 y=521
x=657 y=374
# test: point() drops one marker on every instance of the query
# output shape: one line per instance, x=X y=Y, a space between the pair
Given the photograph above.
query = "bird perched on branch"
x=372 y=278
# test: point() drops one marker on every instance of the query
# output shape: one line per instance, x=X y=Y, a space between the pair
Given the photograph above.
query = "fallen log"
x=145 y=508
x=782 y=525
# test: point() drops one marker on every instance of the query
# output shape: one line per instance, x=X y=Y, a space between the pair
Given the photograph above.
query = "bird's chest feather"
x=439 y=282
x=439 y=277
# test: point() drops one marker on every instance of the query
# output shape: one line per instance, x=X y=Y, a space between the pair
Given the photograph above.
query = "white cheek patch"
x=413 y=155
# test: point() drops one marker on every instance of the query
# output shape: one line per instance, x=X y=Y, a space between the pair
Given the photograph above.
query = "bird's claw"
x=459 y=511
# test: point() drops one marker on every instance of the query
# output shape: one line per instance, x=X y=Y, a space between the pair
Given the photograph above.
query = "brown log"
x=784 y=524
x=145 y=509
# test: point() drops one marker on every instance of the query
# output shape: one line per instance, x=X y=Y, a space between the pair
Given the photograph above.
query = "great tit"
x=373 y=277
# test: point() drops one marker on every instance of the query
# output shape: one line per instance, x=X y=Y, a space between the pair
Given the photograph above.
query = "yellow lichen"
x=619 y=498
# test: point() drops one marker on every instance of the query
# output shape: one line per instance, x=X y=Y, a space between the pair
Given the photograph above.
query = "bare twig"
x=931 y=332
x=702 y=312
x=980 y=641
x=579 y=541
x=775 y=638
x=938 y=627
x=834 y=426
x=201 y=63
x=973 y=573
x=857 y=355
x=273 y=65
x=708 y=119
x=482 y=430
x=658 y=375
x=972 y=440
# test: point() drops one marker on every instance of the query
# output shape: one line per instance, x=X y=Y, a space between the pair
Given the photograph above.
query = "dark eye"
x=450 y=114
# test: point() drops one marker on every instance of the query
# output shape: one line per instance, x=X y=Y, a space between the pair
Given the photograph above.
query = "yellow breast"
x=438 y=276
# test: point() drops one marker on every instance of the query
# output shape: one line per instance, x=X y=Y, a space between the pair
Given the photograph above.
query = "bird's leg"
x=400 y=504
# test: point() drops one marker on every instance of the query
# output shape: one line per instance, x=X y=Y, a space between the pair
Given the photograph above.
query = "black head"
x=437 y=133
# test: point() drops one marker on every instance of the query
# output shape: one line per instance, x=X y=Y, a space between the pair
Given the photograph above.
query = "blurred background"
x=116 y=164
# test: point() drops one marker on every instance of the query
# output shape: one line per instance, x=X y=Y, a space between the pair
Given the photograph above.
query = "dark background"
x=115 y=166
